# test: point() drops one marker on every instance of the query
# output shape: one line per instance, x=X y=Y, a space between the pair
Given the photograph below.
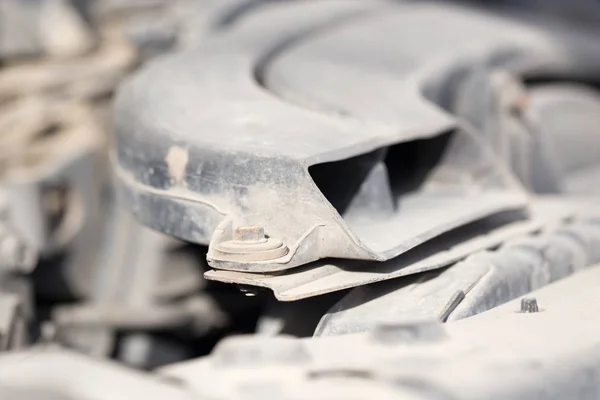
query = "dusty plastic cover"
x=288 y=122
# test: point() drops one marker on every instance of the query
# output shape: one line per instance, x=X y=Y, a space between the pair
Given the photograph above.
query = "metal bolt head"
x=249 y=244
x=529 y=305
x=249 y=234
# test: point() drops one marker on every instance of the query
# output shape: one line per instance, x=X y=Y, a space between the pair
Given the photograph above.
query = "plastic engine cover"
x=316 y=129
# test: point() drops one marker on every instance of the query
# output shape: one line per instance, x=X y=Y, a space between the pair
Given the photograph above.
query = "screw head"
x=250 y=244
x=529 y=305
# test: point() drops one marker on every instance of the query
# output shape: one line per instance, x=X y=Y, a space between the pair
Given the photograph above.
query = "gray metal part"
x=499 y=354
x=259 y=179
x=336 y=274
x=486 y=280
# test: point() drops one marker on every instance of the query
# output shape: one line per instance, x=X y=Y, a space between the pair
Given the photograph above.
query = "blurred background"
x=70 y=255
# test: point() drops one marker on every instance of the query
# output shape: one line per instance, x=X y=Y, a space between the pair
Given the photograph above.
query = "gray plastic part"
x=235 y=131
x=245 y=154
x=504 y=353
x=500 y=354
x=486 y=281
x=500 y=107
x=331 y=275
x=546 y=132
x=568 y=115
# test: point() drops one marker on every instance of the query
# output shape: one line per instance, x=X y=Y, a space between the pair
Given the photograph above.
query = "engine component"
x=364 y=241
x=315 y=149
x=247 y=159
x=481 y=282
x=333 y=275
x=505 y=353
x=528 y=353
x=544 y=131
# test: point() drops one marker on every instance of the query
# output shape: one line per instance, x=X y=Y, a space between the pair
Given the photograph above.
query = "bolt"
x=249 y=234
x=529 y=305
x=250 y=244
x=395 y=332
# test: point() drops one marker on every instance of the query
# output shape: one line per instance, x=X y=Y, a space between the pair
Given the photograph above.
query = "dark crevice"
x=541 y=80
x=340 y=181
x=407 y=166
